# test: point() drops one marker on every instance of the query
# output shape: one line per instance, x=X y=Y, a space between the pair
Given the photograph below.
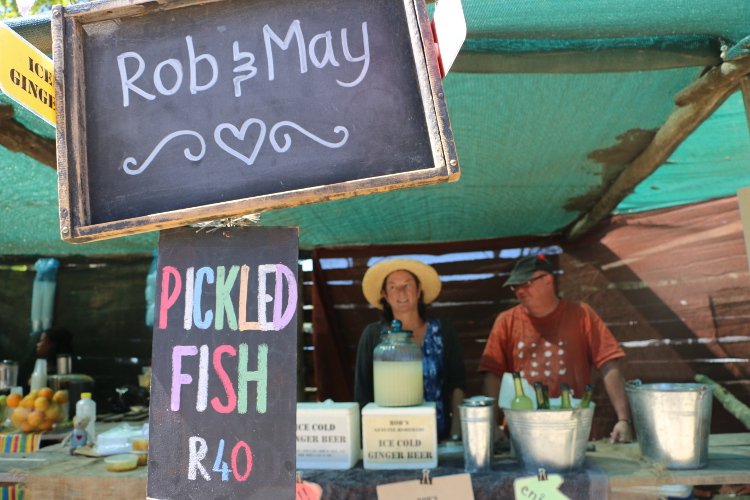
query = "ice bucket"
x=555 y=440
x=672 y=422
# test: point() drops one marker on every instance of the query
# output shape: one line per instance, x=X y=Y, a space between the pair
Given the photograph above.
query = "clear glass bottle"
x=587 y=393
x=539 y=396
x=521 y=401
x=565 y=396
x=397 y=369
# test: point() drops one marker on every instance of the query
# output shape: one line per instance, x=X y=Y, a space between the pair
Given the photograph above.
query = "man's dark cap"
x=526 y=267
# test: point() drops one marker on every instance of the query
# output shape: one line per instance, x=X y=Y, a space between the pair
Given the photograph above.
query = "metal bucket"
x=672 y=422
x=555 y=440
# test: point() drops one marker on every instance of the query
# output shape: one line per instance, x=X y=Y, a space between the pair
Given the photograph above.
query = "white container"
x=118 y=439
x=39 y=375
x=400 y=437
x=327 y=435
x=86 y=407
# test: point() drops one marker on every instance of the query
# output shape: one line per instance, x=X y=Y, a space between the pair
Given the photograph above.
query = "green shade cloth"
x=549 y=100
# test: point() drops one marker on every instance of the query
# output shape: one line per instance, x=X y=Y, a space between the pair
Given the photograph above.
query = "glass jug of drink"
x=397 y=369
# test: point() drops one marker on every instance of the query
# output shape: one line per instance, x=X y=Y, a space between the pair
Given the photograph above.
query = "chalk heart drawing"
x=240 y=134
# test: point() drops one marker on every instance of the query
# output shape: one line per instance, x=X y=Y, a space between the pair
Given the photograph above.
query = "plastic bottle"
x=39 y=375
x=521 y=401
x=86 y=407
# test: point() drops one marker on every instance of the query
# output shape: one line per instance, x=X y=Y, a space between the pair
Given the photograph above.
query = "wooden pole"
x=732 y=404
x=18 y=139
x=695 y=104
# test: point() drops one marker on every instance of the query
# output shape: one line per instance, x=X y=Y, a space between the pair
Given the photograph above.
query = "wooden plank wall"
x=672 y=285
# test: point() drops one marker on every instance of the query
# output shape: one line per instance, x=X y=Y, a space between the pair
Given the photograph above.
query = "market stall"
x=559 y=125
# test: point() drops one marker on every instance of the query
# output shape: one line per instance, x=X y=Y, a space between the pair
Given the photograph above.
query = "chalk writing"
x=209 y=70
x=203 y=73
x=224 y=281
x=288 y=140
x=131 y=161
x=239 y=134
x=198 y=450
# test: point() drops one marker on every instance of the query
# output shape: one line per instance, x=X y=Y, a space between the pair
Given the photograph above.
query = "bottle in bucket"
x=521 y=401
x=545 y=391
x=397 y=369
x=565 y=396
x=587 y=393
x=539 y=396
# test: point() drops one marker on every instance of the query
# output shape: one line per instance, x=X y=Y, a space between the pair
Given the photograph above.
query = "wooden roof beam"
x=18 y=139
x=696 y=103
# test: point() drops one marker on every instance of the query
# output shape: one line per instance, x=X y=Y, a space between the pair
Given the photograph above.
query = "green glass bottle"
x=587 y=393
x=565 y=396
x=521 y=401
x=539 y=396
x=545 y=390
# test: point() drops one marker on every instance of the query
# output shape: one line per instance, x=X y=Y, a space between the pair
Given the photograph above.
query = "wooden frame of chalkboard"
x=176 y=112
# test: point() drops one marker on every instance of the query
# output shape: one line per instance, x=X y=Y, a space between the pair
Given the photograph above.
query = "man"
x=551 y=340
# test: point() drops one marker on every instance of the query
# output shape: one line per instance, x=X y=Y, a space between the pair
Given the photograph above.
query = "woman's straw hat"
x=372 y=283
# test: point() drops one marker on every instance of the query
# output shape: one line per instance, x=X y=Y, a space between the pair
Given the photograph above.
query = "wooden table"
x=728 y=463
x=53 y=473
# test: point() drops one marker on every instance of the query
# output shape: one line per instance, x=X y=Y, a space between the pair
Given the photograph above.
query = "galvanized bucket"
x=555 y=440
x=672 y=421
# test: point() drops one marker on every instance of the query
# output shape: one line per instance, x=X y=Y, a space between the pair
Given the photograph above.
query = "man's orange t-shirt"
x=561 y=347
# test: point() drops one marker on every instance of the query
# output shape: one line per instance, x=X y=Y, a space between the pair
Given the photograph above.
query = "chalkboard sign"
x=223 y=387
x=177 y=112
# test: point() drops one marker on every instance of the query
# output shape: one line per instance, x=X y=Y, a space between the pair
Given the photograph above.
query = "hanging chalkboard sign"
x=176 y=112
x=223 y=392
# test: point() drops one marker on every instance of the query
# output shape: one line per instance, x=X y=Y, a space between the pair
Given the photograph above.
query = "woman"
x=401 y=288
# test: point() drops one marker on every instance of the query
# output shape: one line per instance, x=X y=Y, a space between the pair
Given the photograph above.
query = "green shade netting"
x=549 y=100
x=712 y=162
x=532 y=156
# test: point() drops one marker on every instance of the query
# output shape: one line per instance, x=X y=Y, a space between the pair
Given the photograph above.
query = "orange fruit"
x=45 y=393
x=46 y=425
x=13 y=400
x=41 y=403
x=27 y=427
x=53 y=413
x=19 y=416
x=60 y=397
x=28 y=401
x=35 y=418
x=33 y=394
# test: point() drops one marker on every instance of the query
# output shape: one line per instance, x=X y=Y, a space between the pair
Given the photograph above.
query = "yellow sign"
x=26 y=75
